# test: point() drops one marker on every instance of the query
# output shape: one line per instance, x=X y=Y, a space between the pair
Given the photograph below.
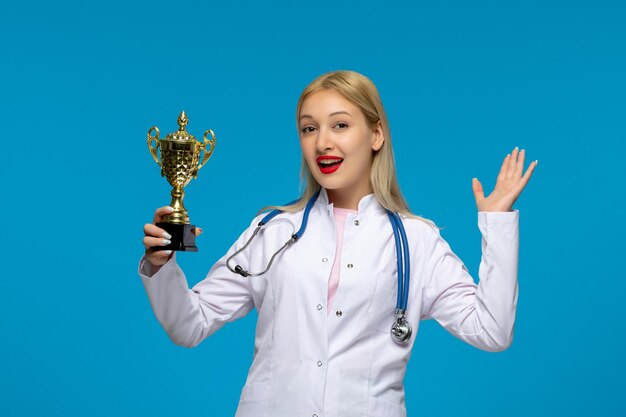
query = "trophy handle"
x=153 y=149
x=207 y=153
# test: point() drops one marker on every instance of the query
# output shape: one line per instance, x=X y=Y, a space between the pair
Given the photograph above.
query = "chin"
x=328 y=184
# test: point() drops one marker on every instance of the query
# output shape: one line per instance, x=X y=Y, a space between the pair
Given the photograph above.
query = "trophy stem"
x=179 y=215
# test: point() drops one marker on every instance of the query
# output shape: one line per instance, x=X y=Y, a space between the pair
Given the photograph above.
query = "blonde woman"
x=327 y=302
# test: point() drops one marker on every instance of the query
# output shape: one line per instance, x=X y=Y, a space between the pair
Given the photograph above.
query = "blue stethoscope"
x=401 y=329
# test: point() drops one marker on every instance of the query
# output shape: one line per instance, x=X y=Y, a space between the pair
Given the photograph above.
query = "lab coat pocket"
x=382 y=309
x=378 y=407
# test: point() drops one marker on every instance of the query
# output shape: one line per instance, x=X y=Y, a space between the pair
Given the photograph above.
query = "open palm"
x=509 y=184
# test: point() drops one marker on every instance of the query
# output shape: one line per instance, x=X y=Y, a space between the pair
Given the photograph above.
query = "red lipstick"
x=330 y=165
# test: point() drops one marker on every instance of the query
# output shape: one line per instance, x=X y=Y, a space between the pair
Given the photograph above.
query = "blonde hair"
x=361 y=91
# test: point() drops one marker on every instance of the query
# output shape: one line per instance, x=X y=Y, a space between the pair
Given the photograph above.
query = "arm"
x=191 y=315
x=482 y=315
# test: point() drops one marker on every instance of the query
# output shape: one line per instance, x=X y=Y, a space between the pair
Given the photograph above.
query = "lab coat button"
x=350 y=266
x=319 y=363
x=319 y=306
x=339 y=313
x=324 y=259
x=356 y=223
x=314 y=415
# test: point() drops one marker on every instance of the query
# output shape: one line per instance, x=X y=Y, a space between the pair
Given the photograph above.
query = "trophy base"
x=183 y=237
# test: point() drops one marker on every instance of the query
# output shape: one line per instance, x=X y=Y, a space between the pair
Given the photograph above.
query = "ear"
x=378 y=137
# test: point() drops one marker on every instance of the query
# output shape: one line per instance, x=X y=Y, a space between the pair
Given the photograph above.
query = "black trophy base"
x=183 y=237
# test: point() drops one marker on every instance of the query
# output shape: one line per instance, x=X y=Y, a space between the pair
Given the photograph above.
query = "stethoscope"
x=401 y=329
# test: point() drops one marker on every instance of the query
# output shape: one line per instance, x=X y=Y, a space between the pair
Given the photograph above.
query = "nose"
x=324 y=140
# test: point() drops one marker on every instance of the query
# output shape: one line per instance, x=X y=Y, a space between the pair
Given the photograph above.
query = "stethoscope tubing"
x=405 y=271
x=402 y=261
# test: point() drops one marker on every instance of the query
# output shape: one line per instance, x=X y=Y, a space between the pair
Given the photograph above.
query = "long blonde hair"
x=361 y=91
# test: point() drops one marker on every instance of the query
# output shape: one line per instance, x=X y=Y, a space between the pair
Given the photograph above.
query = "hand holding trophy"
x=179 y=162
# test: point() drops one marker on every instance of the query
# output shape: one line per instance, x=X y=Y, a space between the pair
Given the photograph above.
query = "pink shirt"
x=340 y=215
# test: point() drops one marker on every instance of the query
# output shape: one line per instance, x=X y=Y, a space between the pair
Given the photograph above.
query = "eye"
x=341 y=125
x=307 y=129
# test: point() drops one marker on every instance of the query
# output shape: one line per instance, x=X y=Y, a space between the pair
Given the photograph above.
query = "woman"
x=327 y=303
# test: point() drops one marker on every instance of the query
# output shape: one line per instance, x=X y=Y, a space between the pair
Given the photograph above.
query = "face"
x=337 y=142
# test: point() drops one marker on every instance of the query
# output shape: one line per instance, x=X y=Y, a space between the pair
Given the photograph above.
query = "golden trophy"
x=180 y=153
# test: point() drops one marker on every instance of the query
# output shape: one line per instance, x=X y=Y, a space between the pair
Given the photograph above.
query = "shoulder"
x=420 y=232
x=419 y=226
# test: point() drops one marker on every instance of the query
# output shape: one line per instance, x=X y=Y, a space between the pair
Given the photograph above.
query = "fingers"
x=160 y=212
x=515 y=167
x=519 y=166
x=503 y=169
x=150 y=242
x=527 y=175
x=510 y=172
x=155 y=236
x=156 y=257
x=153 y=230
x=510 y=175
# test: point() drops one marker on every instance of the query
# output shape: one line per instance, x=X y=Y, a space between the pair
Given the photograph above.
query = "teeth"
x=329 y=161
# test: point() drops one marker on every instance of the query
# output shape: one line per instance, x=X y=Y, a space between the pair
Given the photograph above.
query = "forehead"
x=324 y=102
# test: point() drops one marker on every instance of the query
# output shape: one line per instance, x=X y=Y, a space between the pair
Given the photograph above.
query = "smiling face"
x=338 y=144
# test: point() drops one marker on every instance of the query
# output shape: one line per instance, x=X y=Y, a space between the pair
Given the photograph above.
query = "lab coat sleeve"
x=482 y=315
x=191 y=315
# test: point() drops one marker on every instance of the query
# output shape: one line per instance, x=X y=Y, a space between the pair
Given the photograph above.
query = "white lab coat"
x=309 y=363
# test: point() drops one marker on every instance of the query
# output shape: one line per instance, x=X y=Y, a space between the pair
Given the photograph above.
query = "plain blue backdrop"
x=463 y=83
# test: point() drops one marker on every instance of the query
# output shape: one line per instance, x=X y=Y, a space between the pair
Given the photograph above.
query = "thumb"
x=477 y=187
x=198 y=231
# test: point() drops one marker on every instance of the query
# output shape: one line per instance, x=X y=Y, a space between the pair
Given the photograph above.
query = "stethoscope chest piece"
x=401 y=330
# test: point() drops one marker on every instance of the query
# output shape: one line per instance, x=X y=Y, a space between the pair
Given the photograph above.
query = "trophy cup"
x=180 y=153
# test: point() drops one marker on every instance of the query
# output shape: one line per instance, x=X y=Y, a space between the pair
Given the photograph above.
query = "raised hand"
x=509 y=184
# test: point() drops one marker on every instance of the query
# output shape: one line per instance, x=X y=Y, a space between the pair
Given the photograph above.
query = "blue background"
x=463 y=83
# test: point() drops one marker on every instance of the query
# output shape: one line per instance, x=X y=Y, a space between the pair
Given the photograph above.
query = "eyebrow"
x=332 y=114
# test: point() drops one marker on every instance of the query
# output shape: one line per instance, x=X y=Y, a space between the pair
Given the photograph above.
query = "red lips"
x=329 y=167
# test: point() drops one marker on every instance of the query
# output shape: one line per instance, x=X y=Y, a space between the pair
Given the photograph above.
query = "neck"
x=348 y=198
